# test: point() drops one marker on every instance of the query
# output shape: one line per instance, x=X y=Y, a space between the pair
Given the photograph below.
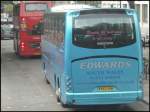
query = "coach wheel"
x=47 y=81
x=58 y=89
x=58 y=94
x=65 y=105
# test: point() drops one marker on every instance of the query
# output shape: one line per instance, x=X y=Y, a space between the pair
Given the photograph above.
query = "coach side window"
x=55 y=27
x=62 y=32
x=56 y=34
x=54 y=20
x=45 y=27
x=52 y=31
x=59 y=31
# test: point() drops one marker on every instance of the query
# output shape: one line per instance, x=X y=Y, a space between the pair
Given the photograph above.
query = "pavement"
x=146 y=91
x=146 y=81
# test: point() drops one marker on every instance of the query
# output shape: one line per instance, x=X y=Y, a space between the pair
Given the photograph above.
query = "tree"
x=8 y=8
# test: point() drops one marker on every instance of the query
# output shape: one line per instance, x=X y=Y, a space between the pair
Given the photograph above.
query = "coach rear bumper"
x=103 y=98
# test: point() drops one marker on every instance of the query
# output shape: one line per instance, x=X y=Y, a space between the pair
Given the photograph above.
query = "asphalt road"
x=24 y=88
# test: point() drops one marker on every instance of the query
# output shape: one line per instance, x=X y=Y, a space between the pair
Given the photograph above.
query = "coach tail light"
x=68 y=84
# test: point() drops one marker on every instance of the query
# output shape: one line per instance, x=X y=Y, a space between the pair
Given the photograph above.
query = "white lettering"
x=113 y=64
x=83 y=65
x=92 y=65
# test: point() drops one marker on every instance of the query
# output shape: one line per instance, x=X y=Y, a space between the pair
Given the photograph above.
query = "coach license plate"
x=105 y=88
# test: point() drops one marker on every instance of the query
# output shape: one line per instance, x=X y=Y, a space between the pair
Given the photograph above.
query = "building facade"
x=142 y=8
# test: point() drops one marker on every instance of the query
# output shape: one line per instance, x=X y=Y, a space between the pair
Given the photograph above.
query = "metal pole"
x=120 y=3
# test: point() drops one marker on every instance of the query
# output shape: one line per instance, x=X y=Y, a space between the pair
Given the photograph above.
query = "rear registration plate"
x=37 y=53
x=105 y=88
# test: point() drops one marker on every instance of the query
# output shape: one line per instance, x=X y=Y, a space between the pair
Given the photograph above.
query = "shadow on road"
x=122 y=107
x=14 y=56
x=28 y=58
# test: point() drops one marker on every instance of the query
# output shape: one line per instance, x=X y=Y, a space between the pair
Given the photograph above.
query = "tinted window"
x=54 y=24
x=46 y=26
x=36 y=7
x=103 y=30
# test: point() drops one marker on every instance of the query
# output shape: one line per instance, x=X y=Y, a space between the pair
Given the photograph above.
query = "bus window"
x=103 y=31
x=36 y=7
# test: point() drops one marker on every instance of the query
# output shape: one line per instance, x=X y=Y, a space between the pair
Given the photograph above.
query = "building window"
x=144 y=13
x=124 y=5
x=137 y=8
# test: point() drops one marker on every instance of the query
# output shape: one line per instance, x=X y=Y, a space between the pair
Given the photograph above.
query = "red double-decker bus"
x=27 y=28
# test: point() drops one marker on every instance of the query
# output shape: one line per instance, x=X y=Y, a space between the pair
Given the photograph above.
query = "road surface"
x=23 y=86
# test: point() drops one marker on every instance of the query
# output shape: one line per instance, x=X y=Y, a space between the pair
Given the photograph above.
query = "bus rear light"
x=23 y=19
x=22 y=44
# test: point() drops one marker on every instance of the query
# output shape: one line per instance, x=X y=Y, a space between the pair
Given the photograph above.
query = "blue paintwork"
x=84 y=83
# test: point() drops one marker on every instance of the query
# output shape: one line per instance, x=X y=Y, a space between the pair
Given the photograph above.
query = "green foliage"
x=8 y=8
